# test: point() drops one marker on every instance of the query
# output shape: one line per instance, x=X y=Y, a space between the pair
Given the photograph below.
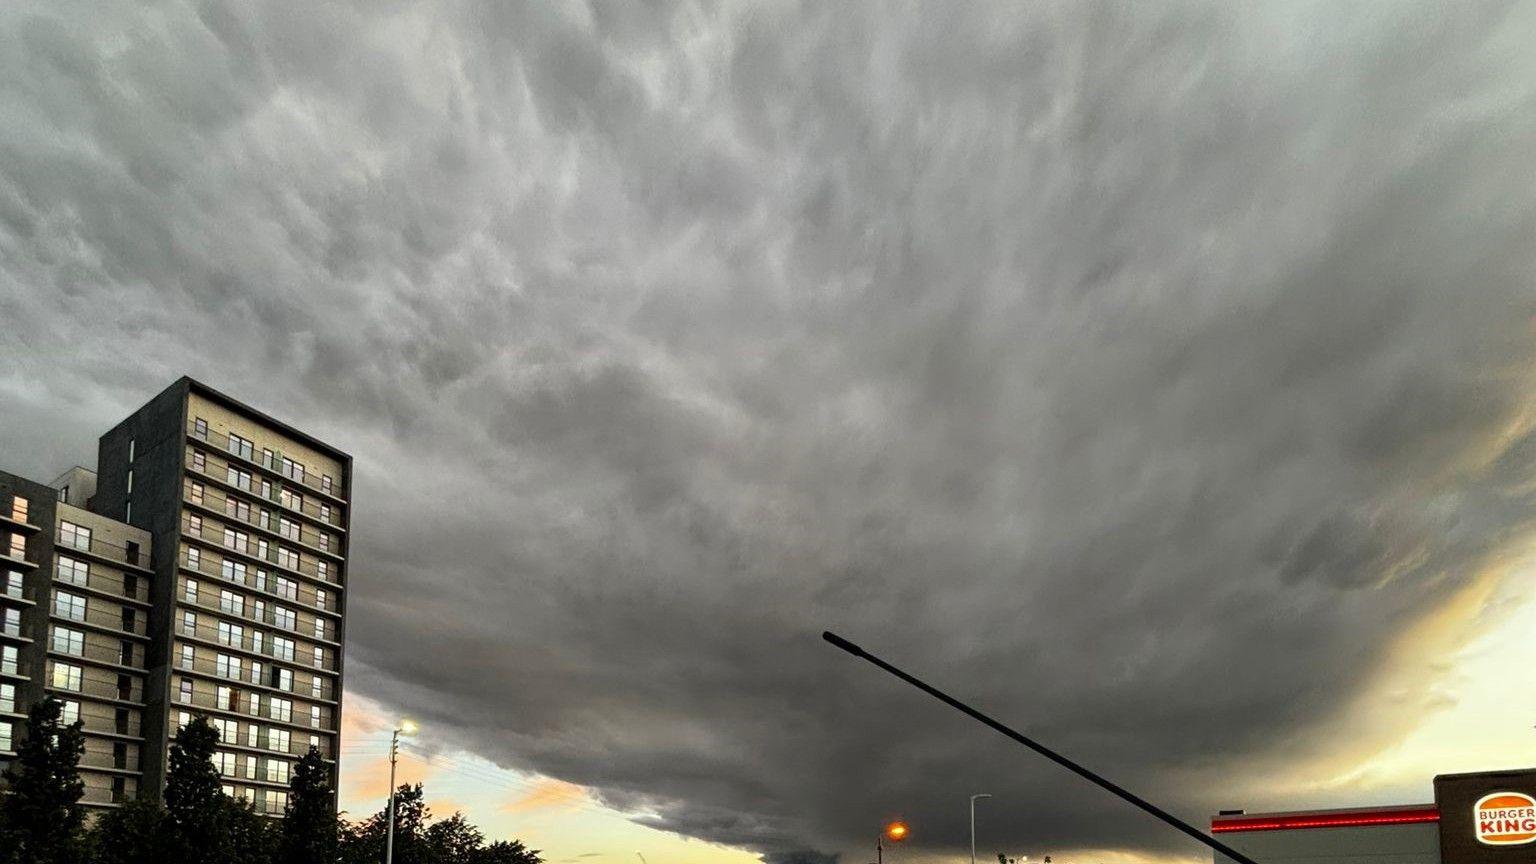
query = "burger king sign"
x=1505 y=819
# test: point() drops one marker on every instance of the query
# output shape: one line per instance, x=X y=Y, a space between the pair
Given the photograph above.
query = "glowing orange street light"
x=895 y=832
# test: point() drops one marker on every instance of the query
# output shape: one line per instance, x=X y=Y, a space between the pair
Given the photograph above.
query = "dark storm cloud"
x=1138 y=370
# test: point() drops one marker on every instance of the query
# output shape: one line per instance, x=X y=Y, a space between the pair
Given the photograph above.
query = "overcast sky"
x=1158 y=375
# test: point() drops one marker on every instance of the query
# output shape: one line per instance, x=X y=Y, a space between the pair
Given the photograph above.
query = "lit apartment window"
x=188 y=656
x=67 y=605
x=261 y=549
x=288 y=528
x=195 y=525
x=236 y=540
x=319 y=657
x=252 y=735
x=323 y=570
x=277 y=772
x=197 y=490
x=186 y=692
x=231 y=634
x=199 y=461
x=229 y=730
x=74 y=536
x=314 y=716
x=293 y=470
x=11 y=585
x=189 y=623
x=280 y=709
x=18 y=546
x=321 y=598
x=226 y=698
x=257 y=640
x=8 y=698
x=256 y=671
x=225 y=762
x=325 y=482
x=67 y=641
x=189 y=590
x=232 y=571
x=194 y=558
x=282 y=648
x=320 y=628
x=314 y=741
x=255 y=705
x=316 y=687
x=8 y=657
x=182 y=719
x=200 y=428
x=70 y=713
x=325 y=513
x=324 y=540
x=231 y=603
x=285 y=618
x=227 y=666
x=241 y=447
x=287 y=558
x=250 y=767
x=259 y=610
x=282 y=679
x=19 y=508
x=67 y=676
x=72 y=571
x=10 y=622
x=286 y=588
x=276 y=801
x=291 y=499
x=238 y=478
x=277 y=740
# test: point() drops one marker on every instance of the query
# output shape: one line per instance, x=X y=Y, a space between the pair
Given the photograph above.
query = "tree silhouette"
x=40 y=817
x=309 y=826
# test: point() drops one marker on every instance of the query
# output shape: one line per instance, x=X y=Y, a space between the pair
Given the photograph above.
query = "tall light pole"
x=896 y=832
x=408 y=728
x=973 y=823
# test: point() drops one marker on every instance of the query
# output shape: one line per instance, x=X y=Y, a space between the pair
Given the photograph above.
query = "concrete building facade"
x=213 y=583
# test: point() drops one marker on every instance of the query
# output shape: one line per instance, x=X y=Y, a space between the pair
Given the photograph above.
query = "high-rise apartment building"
x=217 y=587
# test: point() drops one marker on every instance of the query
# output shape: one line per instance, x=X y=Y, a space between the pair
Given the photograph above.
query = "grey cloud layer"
x=1137 y=371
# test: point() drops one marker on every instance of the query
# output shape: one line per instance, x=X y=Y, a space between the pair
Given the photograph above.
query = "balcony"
x=272 y=556
x=131 y=557
x=247 y=581
x=102 y=620
x=93 y=652
x=247 y=643
x=237 y=513
x=99 y=685
x=303 y=696
x=221 y=443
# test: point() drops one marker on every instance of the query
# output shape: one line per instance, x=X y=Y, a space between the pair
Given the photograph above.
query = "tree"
x=40 y=817
x=309 y=826
x=133 y=833
x=363 y=843
x=507 y=852
x=454 y=841
x=207 y=826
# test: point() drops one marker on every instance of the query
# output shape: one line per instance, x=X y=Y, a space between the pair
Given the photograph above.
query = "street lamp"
x=406 y=727
x=973 y=823
x=895 y=832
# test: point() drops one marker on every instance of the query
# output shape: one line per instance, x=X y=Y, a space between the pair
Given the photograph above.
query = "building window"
x=72 y=571
x=67 y=605
x=282 y=648
x=287 y=558
x=232 y=571
x=252 y=735
x=293 y=470
x=316 y=687
x=291 y=499
x=256 y=641
x=325 y=483
x=67 y=676
x=129 y=482
x=323 y=570
x=200 y=428
x=277 y=801
x=8 y=698
x=280 y=709
x=320 y=628
x=189 y=590
x=195 y=525
x=241 y=447
x=132 y=447
x=194 y=558
x=189 y=623
x=186 y=693
x=287 y=588
x=8 y=657
x=322 y=597
x=229 y=730
x=18 y=548
x=197 y=492
x=74 y=536
x=255 y=706
x=319 y=657
x=237 y=509
x=67 y=641
x=282 y=679
x=268 y=458
x=226 y=698
x=277 y=740
x=285 y=618
x=236 y=540
x=188 y=656
x=314 y=716
x=11 y=585
x=238 y=478
x=289 y=528
x=231 y=634
x=199 y=461
x=231 y=603
x=325 y=513
x=227 y=666
x=19 y=508
x=256 y=671
x=277 y=772
x=71 y=713
x=5 y=737
x=125 y=653
x=225 y=762
x=10 y=622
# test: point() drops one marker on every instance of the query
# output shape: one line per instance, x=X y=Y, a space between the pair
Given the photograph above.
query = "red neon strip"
x=1341 y=820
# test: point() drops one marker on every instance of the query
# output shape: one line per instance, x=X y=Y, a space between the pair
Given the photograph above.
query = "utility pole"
x=408 y=728
x=973 y=823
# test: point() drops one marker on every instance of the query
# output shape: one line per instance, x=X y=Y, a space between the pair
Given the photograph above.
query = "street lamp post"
x=896 y=831
x=973 y=823
x=408 y=728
